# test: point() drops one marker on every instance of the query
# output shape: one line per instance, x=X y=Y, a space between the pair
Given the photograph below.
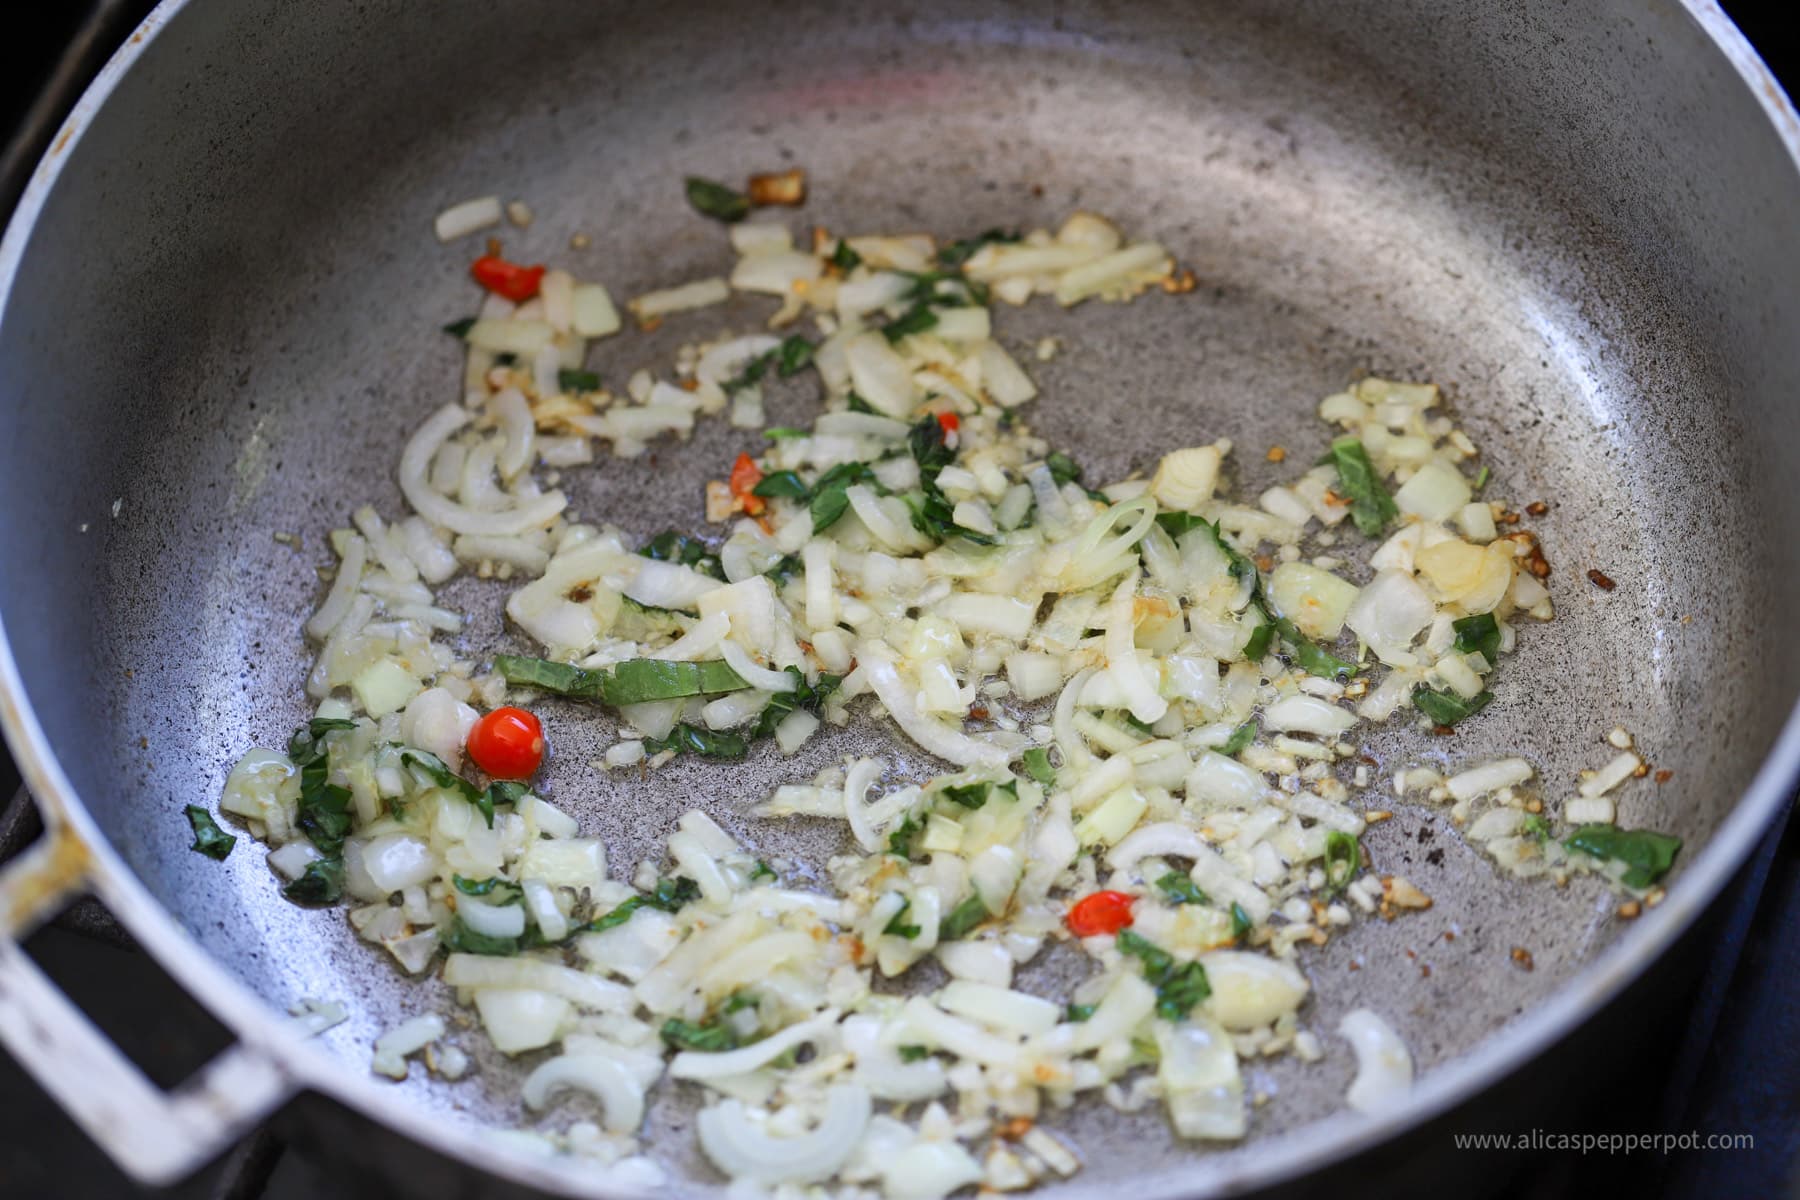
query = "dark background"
x=1729 y=1062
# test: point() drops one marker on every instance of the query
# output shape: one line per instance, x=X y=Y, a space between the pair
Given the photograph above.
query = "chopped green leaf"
x=1256 y=646
x=440 y=773
x=561 y=679
x=1370 y=505
x=912 y=1054
x=794 y=355
x=1535 y=827
x=640 y=680
x=1064 y=469
x=857 y=404
x=959 y=252
x=1343 y=859
x=1240 y=738
x=209 y=839
x=898 y=925
x=1177 y=523
x=1647 y=855
x=1178 y=988
x=1036 y=762
x=1481 y=478
x=492 y=885
x=460 y=329
x=577 y=381
x=324 y=816
x=712 y=1037
x=1181 y=890
x=809 y=696
x=844 y=258
x=1446 y=707
x=1078 y=1013
x=1479 y=634
x=463 y=939
x=501 y=792
x=963 y=918
x=782 y=432
x=969 y=795
x=1241 y=924
x=717 y=201
x=785 y=484
x=830 y=497
x=900 y=839
x=668 y=896
x=323 y=882
x=707 y=743
x=686 y=549
x=917 y=319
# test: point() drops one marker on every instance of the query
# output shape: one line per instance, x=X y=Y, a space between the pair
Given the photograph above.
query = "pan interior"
x=225 y=325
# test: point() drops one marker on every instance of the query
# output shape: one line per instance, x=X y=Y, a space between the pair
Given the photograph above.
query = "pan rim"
x=1282 y=1157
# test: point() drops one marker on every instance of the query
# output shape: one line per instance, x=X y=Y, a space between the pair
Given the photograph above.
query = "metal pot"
x=214 y=291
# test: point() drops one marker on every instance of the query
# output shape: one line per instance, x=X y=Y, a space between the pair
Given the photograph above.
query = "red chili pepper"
x=1102 y=912
x=745 y=474
x=516 y=283
x=949 y=422
x=508 y=743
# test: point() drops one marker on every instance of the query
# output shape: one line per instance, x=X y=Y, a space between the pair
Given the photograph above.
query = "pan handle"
x=155 y=1136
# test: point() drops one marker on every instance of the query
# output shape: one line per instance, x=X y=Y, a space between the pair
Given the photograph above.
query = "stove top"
x=1727 y=1063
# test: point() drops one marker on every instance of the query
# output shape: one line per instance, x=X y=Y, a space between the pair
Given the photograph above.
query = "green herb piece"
x=1063 y=469
x=786 y=484
x=1481 y=478
x=1535 y=827
x=914 y=320
x=641 y=680
x=844 y=258
x=900 y=839
x=712 y=1037
x=1479 y=634
x=1646 y=854
x=963 y=918
x=898 y=925
x=1240 y=738
x=969 y=795
x=324 y=816
x=738 y=1001
x=932 y=513
x=440 y=773
x=209 y=839
x=1077 y=1013
x=1343 y=859
x=577 y=381
x=560 y=679
x=1181 y=890
x=707 y=743
x=785 y=568
x=1446 y=707
x=1241 y=924
x=1178 y=988
x=684 y=548
x=493 y=885
x=959 y=252
x=1370 y=505
x=1177 y=523
x=762 y=870
x=912 y=1054
x=1036 y=762
x=460 y=329
x=857 y=404
x=794 y=355
x=323 y=883
x=667 y=896
x=810 y=696
x=1137 y=726
x=1256 y=646
x=502 y=792
x=717 y=201
x=830 y=496
x=782 y=432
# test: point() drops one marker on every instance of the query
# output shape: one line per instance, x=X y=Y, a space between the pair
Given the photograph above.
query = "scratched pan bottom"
x=1340 y=216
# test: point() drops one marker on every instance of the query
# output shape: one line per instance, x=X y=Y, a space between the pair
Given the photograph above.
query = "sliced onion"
x=415 y=461
x=514 y=416
x=880 y=375
x=696 y=1064
x=354 y=557
x=738 y=1147
x=1165 y=839
x=596 y=1074
x=1124 y=664
x=490 y=920
x=756 y=676
x=1384 y=1068
x=478 y=971
x=933 y=736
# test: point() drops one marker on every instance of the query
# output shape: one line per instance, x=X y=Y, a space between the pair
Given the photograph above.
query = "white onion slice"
x=596 y=1074
x=696 y=1064
x=415 y=461
x=756 y=676
x=1384 y=1068
x=933 y=736
x=742 y=1150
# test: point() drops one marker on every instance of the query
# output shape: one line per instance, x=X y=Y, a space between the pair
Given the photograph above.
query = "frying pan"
x=220 y=292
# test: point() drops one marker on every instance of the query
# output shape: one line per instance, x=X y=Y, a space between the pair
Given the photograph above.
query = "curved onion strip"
x=1074 y=749
x=1095 y=559
x=415 y=461
x=343 y=588
x=739 y=660
x=698 y=1064
x=743 y=1151
x=596 y=1074
x=1124 y=664
x=933 y=736
x=857 y=782
x=514 y=415
x=1165 y=839
x=699 y=639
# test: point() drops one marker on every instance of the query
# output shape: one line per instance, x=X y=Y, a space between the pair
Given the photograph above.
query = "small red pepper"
x=1102 y=912
x=745 y=474
x=516 y=283
x=949 y=422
